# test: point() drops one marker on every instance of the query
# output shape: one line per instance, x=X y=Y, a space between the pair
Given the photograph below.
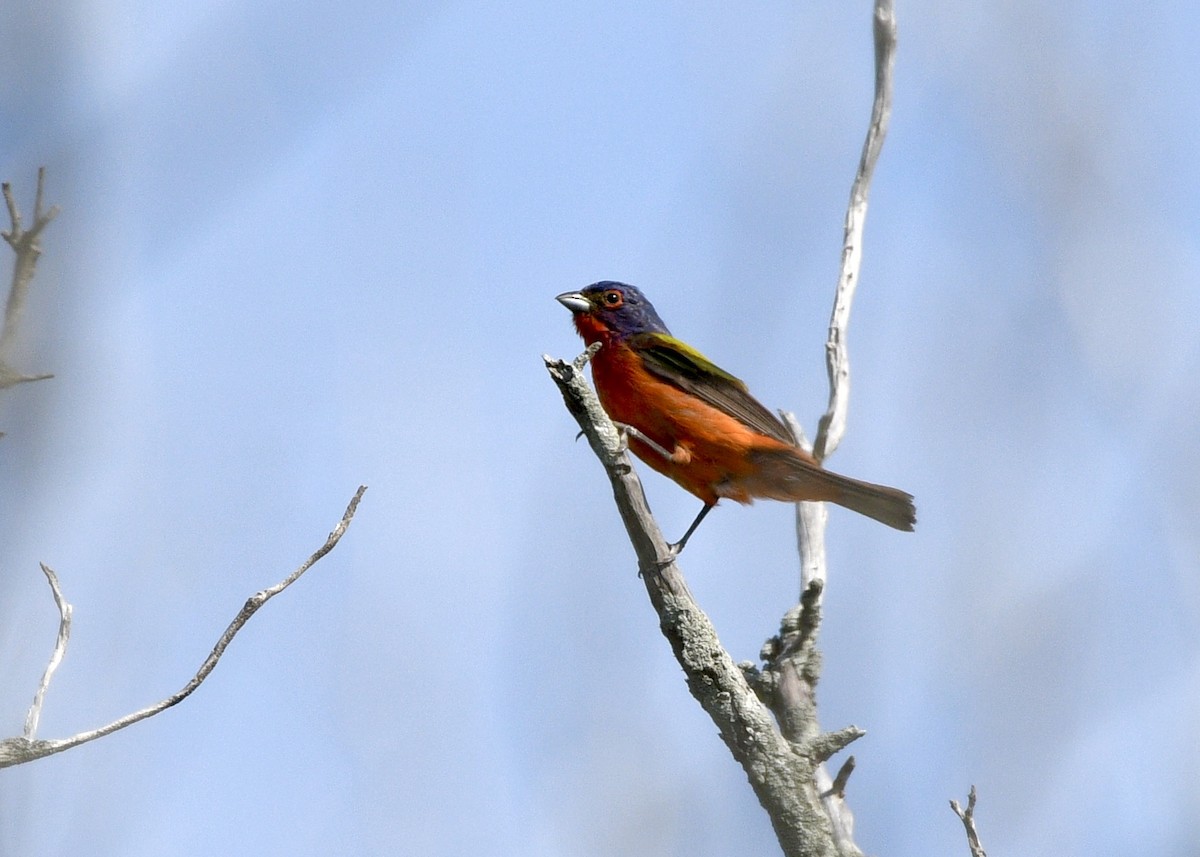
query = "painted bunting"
x=694 y=422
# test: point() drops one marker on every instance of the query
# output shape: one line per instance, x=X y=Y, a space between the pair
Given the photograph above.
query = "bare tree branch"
x=26 y=245
x=797 y=692
x=967 y=817
x=15 y=751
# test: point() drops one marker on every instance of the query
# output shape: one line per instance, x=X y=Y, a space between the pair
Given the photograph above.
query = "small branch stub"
x=826 y=745
x=838 y=789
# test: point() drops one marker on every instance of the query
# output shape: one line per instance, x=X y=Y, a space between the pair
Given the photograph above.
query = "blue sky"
x=303 y=248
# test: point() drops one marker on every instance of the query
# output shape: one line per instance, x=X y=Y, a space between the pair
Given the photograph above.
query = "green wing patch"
x=692 y=372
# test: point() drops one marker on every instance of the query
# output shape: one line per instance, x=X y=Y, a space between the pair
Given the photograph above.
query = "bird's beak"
x=574 y=301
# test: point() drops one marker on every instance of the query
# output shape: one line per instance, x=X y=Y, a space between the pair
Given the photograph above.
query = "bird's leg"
x=629 y=431
x=677 y=548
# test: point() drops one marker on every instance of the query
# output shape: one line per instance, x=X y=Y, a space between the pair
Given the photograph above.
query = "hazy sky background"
x=307 y=246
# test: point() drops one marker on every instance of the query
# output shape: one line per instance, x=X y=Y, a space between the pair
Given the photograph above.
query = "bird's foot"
x=661 y=565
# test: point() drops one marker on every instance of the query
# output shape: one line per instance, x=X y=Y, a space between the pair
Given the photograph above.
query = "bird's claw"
x=660 y=565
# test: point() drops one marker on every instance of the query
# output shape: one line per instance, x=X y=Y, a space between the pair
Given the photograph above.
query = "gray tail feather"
x=889 y=506
x=789 y=476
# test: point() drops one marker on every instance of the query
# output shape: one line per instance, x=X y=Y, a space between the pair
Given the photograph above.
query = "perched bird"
x=694 y=422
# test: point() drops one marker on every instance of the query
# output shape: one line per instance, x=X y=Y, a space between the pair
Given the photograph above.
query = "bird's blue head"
x=609 y=310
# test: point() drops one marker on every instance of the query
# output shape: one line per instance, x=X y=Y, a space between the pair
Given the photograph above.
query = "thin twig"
x=18 y=750
x=967 y=817
x=832 y=426
x=60 y=649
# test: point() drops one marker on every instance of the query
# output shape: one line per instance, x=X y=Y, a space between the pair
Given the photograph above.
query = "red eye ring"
x=612 y=299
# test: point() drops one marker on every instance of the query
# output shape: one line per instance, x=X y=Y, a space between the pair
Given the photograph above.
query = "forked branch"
x=27 y=247
x=16 y=751
x=967 y=817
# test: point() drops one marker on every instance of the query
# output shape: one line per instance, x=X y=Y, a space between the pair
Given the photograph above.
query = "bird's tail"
x=788 y=475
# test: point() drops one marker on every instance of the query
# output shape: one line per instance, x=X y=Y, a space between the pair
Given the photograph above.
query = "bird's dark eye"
x=612 y=298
